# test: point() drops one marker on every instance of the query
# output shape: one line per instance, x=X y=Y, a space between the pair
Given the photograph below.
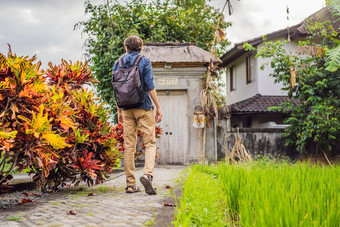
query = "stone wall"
x=257 y=141
x=263 y=142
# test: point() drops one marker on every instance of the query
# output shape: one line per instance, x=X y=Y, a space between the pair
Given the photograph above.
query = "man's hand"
x=159 y=115
x=120 y=115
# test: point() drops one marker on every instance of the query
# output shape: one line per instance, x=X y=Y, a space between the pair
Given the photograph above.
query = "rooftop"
x=258 y=104
x=177 y=53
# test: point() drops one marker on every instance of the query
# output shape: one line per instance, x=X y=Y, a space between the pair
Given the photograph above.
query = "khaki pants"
x=145 y=121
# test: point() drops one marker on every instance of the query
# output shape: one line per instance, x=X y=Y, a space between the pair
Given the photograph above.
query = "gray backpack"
x=127 y=85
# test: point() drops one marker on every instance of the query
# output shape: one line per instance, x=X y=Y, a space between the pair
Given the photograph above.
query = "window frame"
x=231 y=79
x=248 y=70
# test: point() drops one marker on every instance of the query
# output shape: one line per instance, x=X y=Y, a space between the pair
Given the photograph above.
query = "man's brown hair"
x=133 y=43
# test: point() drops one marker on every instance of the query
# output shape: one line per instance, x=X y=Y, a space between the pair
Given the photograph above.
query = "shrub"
x=50 y=123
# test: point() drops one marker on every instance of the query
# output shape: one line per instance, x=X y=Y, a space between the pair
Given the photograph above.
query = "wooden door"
x=173 y=144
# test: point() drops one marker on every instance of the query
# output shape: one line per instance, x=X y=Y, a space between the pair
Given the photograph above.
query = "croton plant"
x=54 y=126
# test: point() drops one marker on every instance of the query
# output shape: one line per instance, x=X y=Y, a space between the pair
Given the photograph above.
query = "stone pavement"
x=111 y=206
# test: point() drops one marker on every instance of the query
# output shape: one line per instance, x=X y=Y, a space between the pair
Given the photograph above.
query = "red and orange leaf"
x=66 y=123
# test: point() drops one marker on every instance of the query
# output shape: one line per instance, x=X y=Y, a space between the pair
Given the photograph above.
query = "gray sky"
x=45 y=27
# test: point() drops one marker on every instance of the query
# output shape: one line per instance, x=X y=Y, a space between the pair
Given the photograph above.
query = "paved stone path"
x=111 y=206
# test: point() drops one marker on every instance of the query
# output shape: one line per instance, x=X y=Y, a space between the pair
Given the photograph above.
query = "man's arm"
x=120 y=115
x=159 y=114
x=119 y=110
x=148 y=81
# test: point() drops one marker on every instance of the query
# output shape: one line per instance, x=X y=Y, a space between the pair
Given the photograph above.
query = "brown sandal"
x=133 y=189
x=146 y=180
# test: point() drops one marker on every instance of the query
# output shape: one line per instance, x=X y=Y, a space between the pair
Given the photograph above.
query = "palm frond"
x=333 y=59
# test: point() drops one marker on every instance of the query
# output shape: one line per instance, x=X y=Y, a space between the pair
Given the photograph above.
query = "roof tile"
x=258 y=103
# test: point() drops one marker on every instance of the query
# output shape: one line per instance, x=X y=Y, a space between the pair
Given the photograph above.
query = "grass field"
x=261 y=193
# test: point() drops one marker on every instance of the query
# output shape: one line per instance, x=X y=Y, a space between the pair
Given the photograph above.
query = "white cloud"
x=29 y=17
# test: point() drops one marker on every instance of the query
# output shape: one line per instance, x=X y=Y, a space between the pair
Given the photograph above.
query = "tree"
x=158 y=21
x=316 y=117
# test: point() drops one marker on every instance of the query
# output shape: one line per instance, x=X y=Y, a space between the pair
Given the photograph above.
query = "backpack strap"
x=120 y=62
x=136 y=62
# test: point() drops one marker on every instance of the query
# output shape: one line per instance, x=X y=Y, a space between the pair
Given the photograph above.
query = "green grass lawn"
x=261 y=193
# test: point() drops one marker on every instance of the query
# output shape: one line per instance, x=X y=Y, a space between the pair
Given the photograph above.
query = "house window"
x=248 y=70
x=232 y=78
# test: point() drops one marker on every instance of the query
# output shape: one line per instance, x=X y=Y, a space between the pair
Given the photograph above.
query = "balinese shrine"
x=178 y=73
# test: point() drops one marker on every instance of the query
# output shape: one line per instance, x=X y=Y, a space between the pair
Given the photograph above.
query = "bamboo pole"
x=199 y=146
x=329 y=163
x=215 y=139
x=204 y=136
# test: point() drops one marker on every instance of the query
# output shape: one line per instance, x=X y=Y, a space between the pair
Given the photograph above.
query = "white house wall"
x=265 y=82
x=260 y=83
x=242 y=89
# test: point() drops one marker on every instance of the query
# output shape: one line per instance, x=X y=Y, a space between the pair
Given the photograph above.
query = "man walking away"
x=141 y=116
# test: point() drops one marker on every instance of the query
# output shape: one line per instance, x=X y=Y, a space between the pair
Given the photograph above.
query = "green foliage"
x=14 y=218
x=151 y=221
x=156 y=21
x=261 y=193
x=333 y=59
x=248 y=47
x=335 y=4
x=316 y=116
x=202 y=202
